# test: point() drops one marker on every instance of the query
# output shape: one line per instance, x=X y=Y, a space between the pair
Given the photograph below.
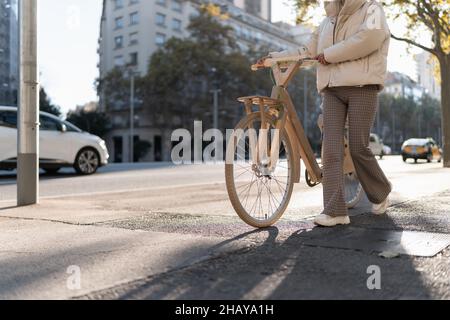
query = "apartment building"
x=132 y=30
x=9 y=52
x=426 y=74
x=402 y=86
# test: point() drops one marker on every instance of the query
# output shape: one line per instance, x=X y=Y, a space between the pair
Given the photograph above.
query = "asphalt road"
x=200 y=188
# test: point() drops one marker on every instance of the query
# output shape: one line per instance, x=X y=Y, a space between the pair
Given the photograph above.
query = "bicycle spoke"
x=249 y=189
x=279 y=185
x=271 y=195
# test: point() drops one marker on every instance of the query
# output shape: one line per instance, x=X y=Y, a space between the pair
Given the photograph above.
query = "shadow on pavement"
x=9 y=177
x=281 y=269
x=419 y=162
x=7 y=208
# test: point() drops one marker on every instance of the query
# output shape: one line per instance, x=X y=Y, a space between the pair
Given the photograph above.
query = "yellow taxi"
x=426 y=149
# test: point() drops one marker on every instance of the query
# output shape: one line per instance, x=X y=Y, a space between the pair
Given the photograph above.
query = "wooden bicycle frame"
x=288 y=120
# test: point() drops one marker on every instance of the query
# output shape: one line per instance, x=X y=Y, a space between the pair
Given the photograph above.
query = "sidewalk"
x=127 y=251
x=287 y=264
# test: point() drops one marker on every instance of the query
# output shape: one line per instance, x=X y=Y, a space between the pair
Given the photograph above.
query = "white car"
x=376 y=145
x=387 y=150
x=61 y=144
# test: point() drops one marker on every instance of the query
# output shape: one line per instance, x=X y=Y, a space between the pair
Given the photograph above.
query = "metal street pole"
x=393 y=131
x=305 y=104
x=216 y=92
x=28 y=116
x=132 y=117
x=440 y=137
x=419 y=120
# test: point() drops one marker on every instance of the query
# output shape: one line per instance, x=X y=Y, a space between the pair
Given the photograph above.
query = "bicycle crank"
x=309 y=181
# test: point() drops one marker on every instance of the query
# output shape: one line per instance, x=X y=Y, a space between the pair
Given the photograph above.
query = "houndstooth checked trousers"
x=360 y=105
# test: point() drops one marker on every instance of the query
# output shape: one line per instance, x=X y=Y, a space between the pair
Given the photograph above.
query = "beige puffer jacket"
x=355 y=40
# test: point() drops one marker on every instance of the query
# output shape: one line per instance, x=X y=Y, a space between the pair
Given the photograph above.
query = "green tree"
x=430 y=15
x=114 y=89
x=182 y=73
x=94 y=122
x=430 y=117
x=402 y=118
x=46 y=105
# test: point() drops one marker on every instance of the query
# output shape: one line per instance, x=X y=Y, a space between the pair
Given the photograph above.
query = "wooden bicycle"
x=264 y=152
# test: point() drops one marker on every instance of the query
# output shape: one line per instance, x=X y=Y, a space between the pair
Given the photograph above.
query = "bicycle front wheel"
x=259 y=190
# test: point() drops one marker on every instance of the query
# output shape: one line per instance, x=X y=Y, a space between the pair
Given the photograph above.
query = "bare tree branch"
x=411 y=42
x=434 y=16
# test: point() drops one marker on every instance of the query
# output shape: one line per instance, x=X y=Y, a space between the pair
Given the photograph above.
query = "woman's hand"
x=262 y=60
x=322 y=60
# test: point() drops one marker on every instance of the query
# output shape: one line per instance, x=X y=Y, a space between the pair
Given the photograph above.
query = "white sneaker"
x=329 y=221
x=380 y=209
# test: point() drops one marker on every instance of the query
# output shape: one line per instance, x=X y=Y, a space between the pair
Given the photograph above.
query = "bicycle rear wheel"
x=353 y=190
x=259 y=192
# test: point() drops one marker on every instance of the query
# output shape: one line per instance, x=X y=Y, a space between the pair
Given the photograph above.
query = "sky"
x=68 y=33
x=68 y=41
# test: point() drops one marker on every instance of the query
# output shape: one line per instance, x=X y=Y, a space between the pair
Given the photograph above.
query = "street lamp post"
x=132 y=117
x=28 y=115
x=440 y=139
x=419 y=120
x=305 y=103
x=393 y=130
x=216 y=91
x=132 y=74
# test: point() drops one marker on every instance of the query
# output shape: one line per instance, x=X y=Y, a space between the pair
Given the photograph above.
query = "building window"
x=253 y=6
x=160 y=39
x=134 y=59
x=118 y=4
x=118 y=41
x=176 y=6
x=119 y=23
x=118 y=61
x=133 y=2
x=176 y=24
x=134 y=38
x=237 y=31
x=246 y=33
x=134 y=18
x=161 y=2
x=161 y=19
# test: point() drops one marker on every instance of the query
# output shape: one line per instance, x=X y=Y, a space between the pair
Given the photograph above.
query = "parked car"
x=376 y=145
x=61 y=144
x=387 y=150
x=426 y=149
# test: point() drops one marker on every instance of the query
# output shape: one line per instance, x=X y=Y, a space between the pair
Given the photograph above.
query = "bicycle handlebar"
x=270 y=62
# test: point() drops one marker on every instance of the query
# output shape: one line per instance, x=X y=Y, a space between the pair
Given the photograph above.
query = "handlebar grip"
x=266 y=64
x=256 y=67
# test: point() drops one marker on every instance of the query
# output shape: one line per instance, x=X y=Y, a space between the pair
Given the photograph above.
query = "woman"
x=352 y=46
